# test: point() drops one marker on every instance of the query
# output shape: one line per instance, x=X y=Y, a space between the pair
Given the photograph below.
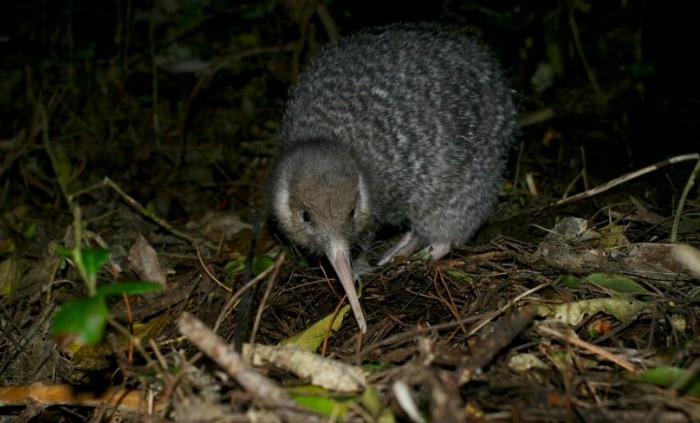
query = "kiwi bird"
x=407 y=125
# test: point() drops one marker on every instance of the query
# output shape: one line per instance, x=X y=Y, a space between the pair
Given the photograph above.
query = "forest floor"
x=564 y=307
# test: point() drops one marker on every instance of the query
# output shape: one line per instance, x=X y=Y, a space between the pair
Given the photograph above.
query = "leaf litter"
x=566 y=307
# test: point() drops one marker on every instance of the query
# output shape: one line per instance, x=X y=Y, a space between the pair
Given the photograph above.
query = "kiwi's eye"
x=352 y=213
x=306 y=216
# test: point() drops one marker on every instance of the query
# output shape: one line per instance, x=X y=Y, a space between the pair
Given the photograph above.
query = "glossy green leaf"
x=128 y=288
x=85 y=318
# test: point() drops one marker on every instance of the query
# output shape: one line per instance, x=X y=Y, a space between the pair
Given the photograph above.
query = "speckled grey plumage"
x=402 y=125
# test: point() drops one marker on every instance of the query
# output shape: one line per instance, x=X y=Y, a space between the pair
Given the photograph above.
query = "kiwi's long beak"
x=341 y=263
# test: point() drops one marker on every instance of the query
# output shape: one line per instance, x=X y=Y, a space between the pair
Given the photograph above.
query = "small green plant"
x=86 y=318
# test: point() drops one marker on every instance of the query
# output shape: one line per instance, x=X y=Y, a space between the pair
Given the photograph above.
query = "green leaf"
x=85 y=318
x=666 y=376
x=93 y=259
x=261 y=263
x=616 y=283
x=128 y=288
x=64 y=252
x=321 y=400
x=322 y=405
x=236 y=266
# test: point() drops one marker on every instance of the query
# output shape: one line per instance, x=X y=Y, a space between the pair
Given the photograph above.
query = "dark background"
x=187 y=94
